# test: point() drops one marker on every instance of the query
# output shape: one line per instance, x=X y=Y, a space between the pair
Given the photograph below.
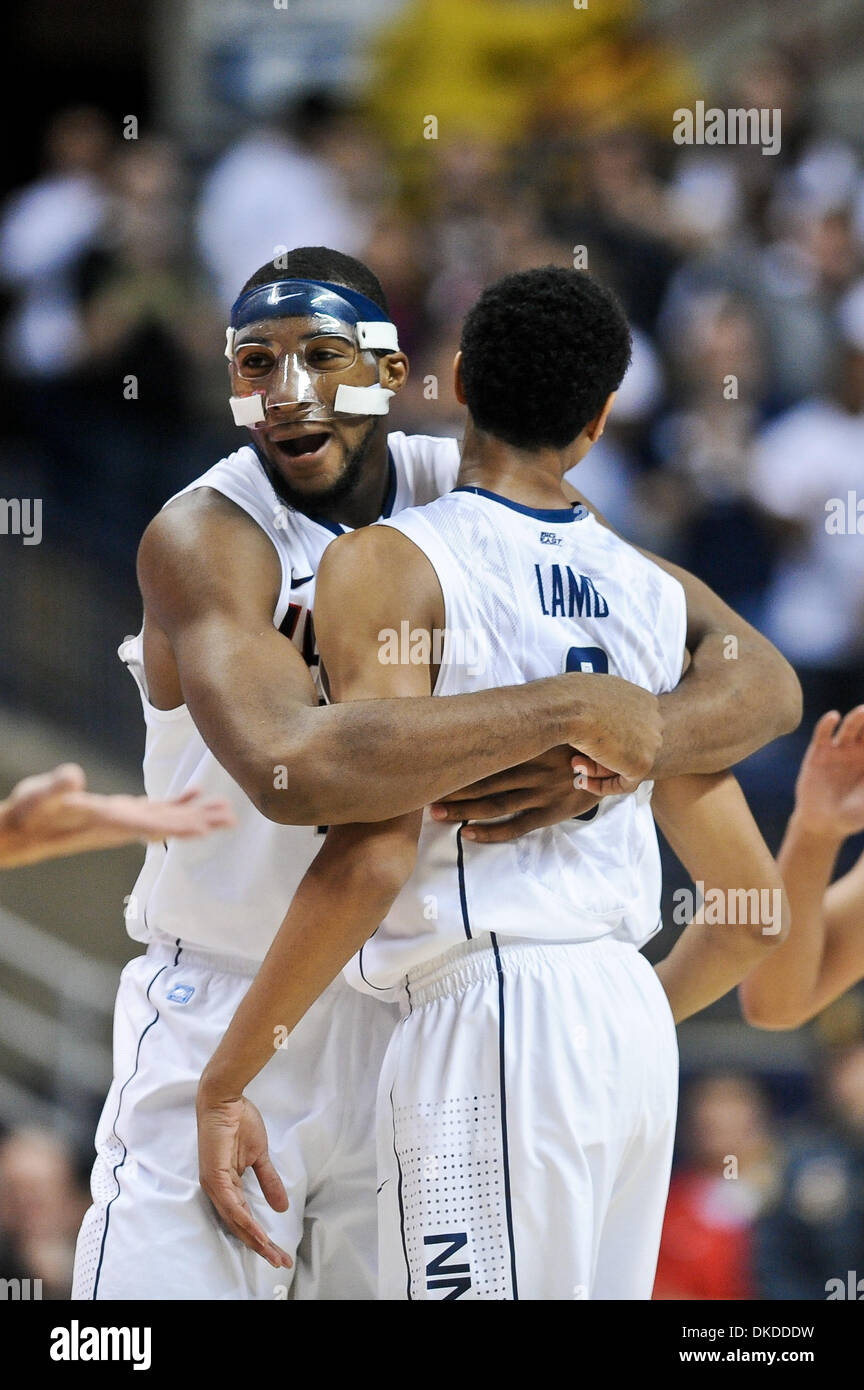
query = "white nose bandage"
x=363 y=400
x=248 y=410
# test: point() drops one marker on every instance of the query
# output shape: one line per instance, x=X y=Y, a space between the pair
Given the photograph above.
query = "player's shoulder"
x=370 y=568
x=429 y=463
x=371 y=578
x=371 y=554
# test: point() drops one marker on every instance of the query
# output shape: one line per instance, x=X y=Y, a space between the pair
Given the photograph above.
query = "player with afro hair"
x=542 y=350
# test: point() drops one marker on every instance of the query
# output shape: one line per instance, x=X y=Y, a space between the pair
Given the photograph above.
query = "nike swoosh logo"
x=295 y=583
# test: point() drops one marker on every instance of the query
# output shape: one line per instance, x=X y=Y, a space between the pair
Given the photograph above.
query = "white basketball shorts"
x=526 y=1117
x=151 y=1233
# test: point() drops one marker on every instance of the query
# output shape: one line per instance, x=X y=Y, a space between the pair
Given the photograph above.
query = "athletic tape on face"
x=367 y=326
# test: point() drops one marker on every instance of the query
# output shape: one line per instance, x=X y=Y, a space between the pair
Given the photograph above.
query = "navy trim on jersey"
x=460 y=869
x=333 y=526
x=363 y=976
x=558 y=514
x=399 y=1195
x=502 y=1082
x=119 y=1165
x=390 y=499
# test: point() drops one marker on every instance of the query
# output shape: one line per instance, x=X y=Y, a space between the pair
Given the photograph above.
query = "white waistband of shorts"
x=481 y=959
x=177 y=954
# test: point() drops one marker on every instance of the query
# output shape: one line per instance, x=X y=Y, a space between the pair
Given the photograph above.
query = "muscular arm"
x=360 y=868
x=824 y=955
x=210 y=579
x=346 y=892
x=708 y=824
x=738 y=694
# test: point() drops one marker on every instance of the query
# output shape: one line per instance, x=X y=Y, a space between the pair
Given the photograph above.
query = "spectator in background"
x=775 y=77
x=614 y=208
x=806 y=465
x=486 y=69
x=128 y=421
x=715 y=1196
x=804 y=274
x=610 y=475
x=704 y=446
x=397 y=254
x=277 y=186
x=813 y=1231
x=105 y=409
x=427 y=403
x=45 y=231
x=41 y=1207
x=474 y=228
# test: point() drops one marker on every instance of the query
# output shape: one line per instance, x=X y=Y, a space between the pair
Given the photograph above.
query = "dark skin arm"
x=209 y=641
x=350 y=886
x=718 y=714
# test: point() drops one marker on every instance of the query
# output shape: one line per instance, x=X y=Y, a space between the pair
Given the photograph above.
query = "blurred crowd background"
x=175 y=148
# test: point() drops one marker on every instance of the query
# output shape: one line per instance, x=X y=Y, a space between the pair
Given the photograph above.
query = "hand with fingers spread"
x=829 y=792
x=53 y=815
x=824 y=955
x=232 y=1138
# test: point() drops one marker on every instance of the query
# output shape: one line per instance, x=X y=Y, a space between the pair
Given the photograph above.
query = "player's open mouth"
x=303 y=448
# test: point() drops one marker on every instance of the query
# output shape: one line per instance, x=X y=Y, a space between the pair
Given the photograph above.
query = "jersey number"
x=587 y=659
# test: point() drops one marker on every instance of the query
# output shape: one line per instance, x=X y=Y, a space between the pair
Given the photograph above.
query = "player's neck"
x=365 y=503
x=531 y=478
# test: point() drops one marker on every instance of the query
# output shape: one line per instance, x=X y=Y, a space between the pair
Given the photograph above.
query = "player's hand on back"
x=829 y=792
x=601 y=781
x=541 y=792
x=624 y=721
x=232 y=1138
x=617 y=724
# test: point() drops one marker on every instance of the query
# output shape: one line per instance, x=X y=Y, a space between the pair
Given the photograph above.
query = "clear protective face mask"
x=307 y=380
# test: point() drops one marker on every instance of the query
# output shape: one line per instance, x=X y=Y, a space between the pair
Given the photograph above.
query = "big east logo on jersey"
x=564 y=594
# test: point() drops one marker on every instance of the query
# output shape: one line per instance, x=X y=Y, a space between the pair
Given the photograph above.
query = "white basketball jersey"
x=528 y=594
x=228 y=893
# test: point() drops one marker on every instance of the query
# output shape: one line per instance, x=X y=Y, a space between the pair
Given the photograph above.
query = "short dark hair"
x=541 y=351
x=320 y=263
